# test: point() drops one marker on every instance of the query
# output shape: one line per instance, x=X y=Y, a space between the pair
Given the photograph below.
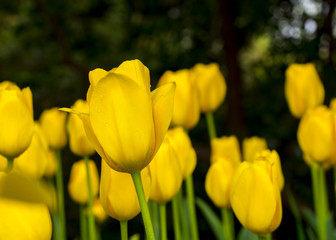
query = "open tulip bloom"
x=126 y=122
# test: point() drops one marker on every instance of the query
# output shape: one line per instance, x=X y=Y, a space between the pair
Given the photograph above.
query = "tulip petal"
x=162 y=98
x=252 y=198
x=94 y=76
x=121 y=118
x=136 y=71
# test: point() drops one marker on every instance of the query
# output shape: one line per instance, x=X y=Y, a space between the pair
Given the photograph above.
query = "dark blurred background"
x=52 y=45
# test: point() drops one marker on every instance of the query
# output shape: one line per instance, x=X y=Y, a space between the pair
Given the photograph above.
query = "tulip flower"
x=186 y=101
x=218 y=180
x=98 y=211
x=316 y=136
x=53 y=125
x=253 y=145
x=78 y=184
x=166 y=173
x=126 y=122
x=16 y=119
x=303 y=88
x=117 y=192
x=227 y=147
x=78 y=140
x=211 y=86
x=51 y=167
x=35 y=159
x=24 y=220
x=255 y=197
x=185 y=152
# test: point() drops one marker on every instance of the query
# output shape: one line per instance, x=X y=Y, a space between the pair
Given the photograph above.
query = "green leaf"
x=245 y=234
x=311 y=220
x=212 y=219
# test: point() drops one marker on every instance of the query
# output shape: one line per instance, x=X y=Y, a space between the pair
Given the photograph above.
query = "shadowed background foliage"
x=52 y=45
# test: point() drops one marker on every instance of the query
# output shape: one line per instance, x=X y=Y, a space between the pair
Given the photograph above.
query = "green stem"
x=211 y=125
x=319 y=200
x=91 y=220
x=269 y=236
x=143 y=205
x=296 y=213
x=56 y=226
x=228 y=225
x=261 y=238
x=191 y=207
x=185 y=230
x=176 y=219
x=163 y=221
x=153 y=210
x=324 y=199
x=83 y=222
x=123 y=230
x=9 y=164
x=60 y=194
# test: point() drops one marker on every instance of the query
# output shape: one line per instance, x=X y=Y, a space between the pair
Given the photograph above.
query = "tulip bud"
x=78 y=141
x=34 y=160
x=255 y=197
x=51 y=164
x=211 y=86
x=316 y=136
x=227 y=147
x=251 y=146
x=78 y=184
x=118 y=195
x=98 y=211
x=16 y=118
x=126 y=122
x=185 y=152
x=218 y=181
x=303 y=88
x=166 y=173
x=186 y=111
x=53 y=125
x=24 y=220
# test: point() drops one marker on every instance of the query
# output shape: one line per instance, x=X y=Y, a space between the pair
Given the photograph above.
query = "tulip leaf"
x=331 y=231
x=245 y=234
x=311 y=220
x=212 y=219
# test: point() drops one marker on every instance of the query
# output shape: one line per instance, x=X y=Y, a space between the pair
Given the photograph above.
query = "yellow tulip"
x=126 y=123
x=117 y=192
x=332 y=104
x=227 y=147
x=78 y=185
x=78 y=141
x=98 y=211
x=218 y=181
x=166 y=173
x=53 y=125
x=253 y=145
x=186 y=101
x=35 y=159
x=185 y=152
x=211 y=86
x=316 y=136
x=271 y=158
x=255 y=197
x=303 y=88
x=3 y=163
x=16 y=121
x=51 y=167
x=23 y=220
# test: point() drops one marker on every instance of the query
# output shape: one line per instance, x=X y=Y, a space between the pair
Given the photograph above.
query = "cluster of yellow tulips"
x=147 y=155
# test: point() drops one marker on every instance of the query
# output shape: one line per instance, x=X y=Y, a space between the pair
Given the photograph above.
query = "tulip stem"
x=60 y=195
x=191 y=207
x=153 y=210
x=261 y=238
x=163 y=221
x=143 y=205
x=9 y=164
x=91 y=220
x=211 y=125
x=123 y=230
x=320 y=199
x=185 y=230
x=176 y=219
x=83 y=222
x=228 y=225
